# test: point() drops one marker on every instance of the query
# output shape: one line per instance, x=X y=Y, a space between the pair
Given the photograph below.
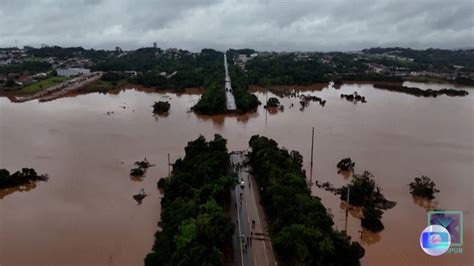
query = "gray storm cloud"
x=264 y=25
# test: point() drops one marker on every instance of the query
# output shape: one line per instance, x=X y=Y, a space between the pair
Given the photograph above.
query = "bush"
x=273 y=102
x=362 y=189
x=372 y=220
x=423 y=187
x=161 y=107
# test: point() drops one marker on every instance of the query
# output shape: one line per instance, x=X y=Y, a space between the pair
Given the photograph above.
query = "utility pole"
x=312 y=148
x=169 y=164
x=348 y=206
x=266 y=107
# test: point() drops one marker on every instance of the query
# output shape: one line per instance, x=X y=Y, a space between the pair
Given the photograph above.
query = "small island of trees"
x=365 y=193
x=272 y=103
x=423 y=187
x=161 y=107
x=19 y=178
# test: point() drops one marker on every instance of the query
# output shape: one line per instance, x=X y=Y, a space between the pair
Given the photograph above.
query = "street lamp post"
x=348 y=204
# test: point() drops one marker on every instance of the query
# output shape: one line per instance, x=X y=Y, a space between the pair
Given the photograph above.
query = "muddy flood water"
x=85 y=213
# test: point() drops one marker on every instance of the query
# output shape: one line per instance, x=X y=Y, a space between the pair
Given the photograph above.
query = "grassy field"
x=43 y=84
x=102 y=86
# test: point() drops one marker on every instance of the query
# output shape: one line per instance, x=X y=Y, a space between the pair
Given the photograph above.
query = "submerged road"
x=252 y=245
x=230 y=100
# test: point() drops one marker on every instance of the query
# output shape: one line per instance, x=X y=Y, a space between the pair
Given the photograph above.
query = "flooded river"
x=85 y=214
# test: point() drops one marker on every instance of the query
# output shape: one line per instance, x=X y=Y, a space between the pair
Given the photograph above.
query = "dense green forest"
x=285 y=70
x=437 y=58
x=31 y=67
x=156 y=68
x=195 y=229
x=300 y=227
x=69 y=52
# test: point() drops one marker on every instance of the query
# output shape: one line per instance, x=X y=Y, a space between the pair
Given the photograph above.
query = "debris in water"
x=140 y=196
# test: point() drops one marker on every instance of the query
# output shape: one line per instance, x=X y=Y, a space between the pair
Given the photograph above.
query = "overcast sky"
x=310 y=25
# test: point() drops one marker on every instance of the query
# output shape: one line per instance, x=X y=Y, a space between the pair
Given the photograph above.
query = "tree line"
x=300 y=226
x=195 y=228
x=244 y=100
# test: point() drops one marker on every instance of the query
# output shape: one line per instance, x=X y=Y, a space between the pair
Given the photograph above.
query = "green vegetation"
x=156 y=67
x=113 y=77
x=273 y=102
x=346 y=164
x=438 y=58
x=103 y=86
x=195 y=229
x=137 y=171
x=286 y=70
x=161 y=107
x=19 y=178
x=244 y=100
x=423 y=187
x=398 y=87
x=28 y=66
x=69 y=52
x=213 y=101
x=362 y=190
x=372 y=219
x=300 y=227
x=43 y=84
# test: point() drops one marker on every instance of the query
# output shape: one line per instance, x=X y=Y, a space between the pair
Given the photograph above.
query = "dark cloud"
x=264 y=25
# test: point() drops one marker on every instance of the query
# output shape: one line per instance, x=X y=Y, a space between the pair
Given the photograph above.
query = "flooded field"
x=85 y=213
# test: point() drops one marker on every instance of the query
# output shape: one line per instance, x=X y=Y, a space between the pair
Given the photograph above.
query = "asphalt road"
x=253 y=247
x=230 y=100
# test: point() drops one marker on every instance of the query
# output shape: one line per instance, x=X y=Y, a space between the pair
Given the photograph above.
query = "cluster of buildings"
x=17 y=77
x=11 y=56
x=242 y=59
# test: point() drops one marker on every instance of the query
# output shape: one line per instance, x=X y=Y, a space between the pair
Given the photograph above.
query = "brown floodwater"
x=85 y=213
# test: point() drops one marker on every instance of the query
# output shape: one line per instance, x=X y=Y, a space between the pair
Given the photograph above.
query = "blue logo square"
x=452 y=221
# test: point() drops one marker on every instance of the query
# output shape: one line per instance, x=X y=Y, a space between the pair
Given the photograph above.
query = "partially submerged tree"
x=273 y=102
x=372 y=219
x=346 y=164
x=19 y=178
x=161 y=107
x=362 y=188
x=364 y=192
x=137 y=171
x=423 y=187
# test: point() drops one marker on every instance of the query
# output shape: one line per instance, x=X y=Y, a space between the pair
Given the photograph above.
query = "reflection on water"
x=346 y=174
x=85 y=214
x=137 y=178
x=24 y=188
x=368 y=237
x=427 y=204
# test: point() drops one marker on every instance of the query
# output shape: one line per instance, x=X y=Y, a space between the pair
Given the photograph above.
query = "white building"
x=70 y=72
